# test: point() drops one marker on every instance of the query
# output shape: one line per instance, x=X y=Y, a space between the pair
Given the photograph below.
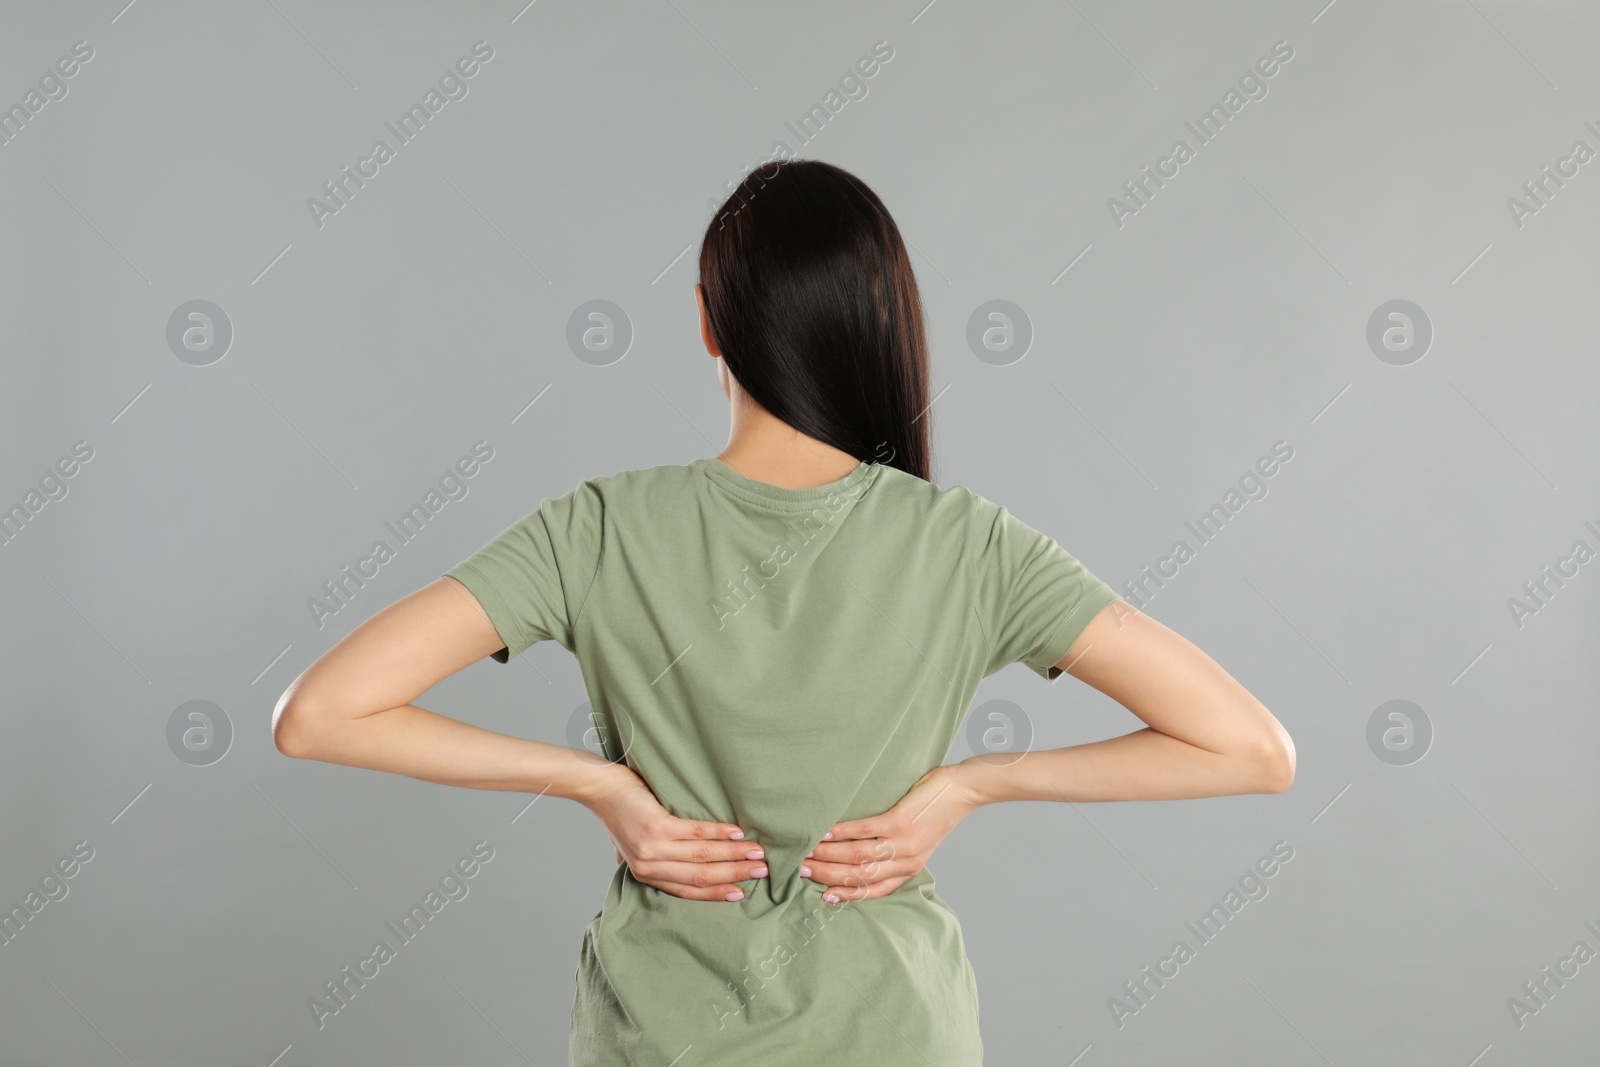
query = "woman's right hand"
x=688 y=858
x=872 y=857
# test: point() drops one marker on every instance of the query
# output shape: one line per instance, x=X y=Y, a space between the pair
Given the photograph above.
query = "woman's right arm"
x=1205 y=734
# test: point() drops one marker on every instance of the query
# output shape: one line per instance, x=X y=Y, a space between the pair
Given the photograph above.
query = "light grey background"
x=1228 y=313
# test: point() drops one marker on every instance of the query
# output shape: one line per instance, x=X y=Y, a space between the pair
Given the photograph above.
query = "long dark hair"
x=810 y=296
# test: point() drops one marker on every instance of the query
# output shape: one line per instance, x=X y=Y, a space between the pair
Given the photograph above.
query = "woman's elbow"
x=1275 y=762
x=294 y=727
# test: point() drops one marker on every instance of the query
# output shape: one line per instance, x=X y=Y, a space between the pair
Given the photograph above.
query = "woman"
x=781 y=643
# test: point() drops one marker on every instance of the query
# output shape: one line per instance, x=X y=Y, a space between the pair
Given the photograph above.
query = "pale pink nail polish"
x=805 y=872
x=737 y=894
x=753 y=854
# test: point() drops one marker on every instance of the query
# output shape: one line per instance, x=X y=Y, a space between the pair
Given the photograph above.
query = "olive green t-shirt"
x=781 y=659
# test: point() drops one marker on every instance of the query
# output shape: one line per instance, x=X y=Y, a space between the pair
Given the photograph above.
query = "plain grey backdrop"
x=1380 y=257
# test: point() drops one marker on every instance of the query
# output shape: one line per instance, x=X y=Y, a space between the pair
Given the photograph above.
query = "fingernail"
x=737 y=835
x=737 y=894
x=827 y=835
x=831 y=898
x=753 y=854
x=805 y=872
x=758 y=872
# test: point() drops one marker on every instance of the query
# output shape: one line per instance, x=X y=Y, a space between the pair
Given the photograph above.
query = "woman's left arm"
x=353 y=705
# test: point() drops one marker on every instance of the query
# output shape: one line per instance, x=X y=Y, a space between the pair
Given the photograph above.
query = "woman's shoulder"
x=952 y=499
x=618 y=485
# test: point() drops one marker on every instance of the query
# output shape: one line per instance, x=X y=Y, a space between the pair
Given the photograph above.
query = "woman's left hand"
x=688 y=858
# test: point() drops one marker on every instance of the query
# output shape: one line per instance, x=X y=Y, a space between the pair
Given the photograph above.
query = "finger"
x=695 y=850
x=695 y=829
x=835 y=874
x=860 y=851
x=718 y=893
x=704 y=875
x=855 y=829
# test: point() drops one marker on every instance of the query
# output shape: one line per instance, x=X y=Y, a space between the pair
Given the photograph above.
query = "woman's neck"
x=764 y=449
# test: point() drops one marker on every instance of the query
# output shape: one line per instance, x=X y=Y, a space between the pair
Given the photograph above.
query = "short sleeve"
x=534 y=576
x=1033 y=597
